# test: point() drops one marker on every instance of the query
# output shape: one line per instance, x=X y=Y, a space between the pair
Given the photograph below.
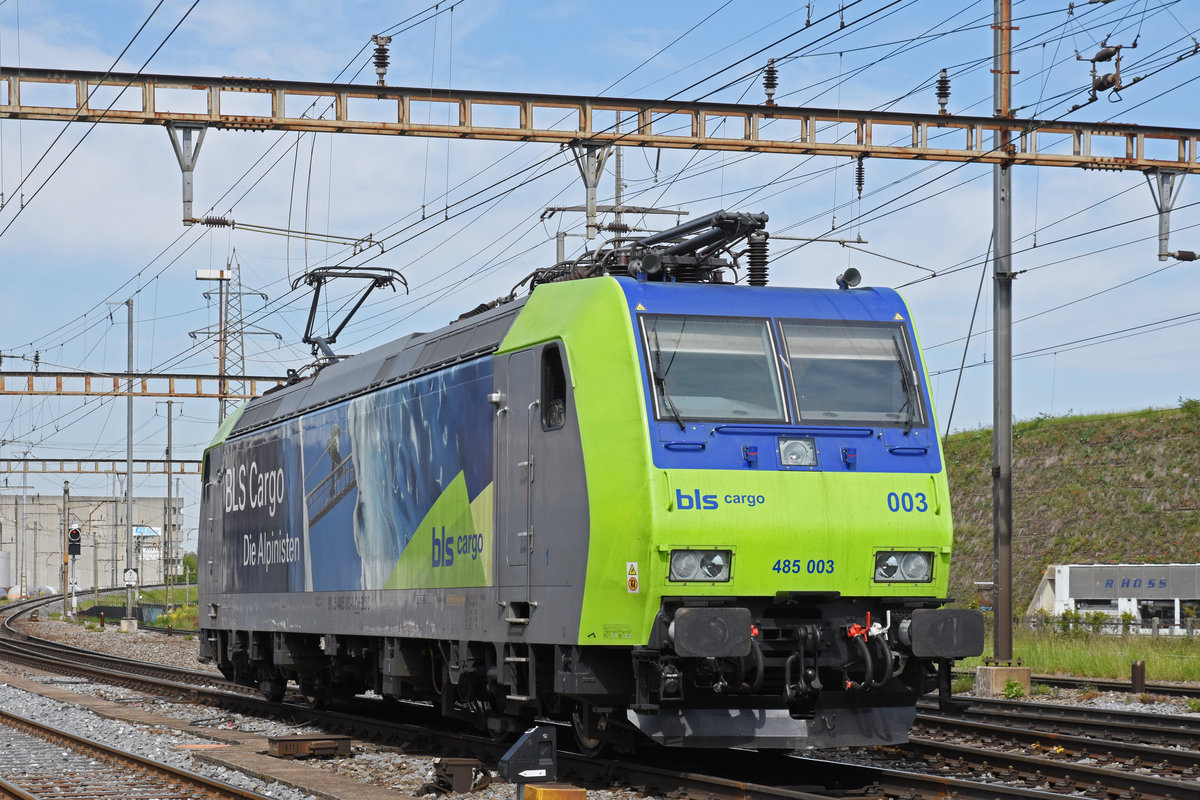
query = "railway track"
x=992 y=751
x=1108 y=685
x=937 y=733
x=39 y=761
x=1106 y=725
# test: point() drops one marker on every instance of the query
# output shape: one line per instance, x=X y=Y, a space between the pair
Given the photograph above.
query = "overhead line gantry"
x=97 y=466
x=138 y=384
x=572 y=119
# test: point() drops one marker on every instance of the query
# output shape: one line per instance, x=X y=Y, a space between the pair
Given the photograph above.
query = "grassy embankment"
x=1121 y=488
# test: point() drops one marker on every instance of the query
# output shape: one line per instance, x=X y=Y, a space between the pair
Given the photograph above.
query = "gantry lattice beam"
x=116 y=384
x=254 y=104
x=96 y=466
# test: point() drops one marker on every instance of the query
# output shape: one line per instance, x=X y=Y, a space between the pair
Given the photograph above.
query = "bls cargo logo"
x=445 y=547
x=708 y=502
x=254 y=488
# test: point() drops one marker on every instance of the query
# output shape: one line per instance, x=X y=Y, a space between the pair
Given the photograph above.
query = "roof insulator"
x=381 y=56
x=943 y=91
x=770 y=81
x=757 y=270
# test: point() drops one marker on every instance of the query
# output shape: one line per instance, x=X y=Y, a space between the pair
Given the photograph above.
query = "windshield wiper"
x=660 y=378
x=910 y=391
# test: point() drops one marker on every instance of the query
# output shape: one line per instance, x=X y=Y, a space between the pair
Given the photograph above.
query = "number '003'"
x=907 y=502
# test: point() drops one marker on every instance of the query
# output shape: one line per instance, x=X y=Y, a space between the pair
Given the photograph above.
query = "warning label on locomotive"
x=611 y=631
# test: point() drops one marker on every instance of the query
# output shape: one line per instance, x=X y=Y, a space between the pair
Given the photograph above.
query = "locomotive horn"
x=849 y=279
x=650 y=264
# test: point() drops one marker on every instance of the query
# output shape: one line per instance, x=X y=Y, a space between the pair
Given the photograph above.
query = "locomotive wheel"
x=316 y=692
x=273 y=685
x=588 y=741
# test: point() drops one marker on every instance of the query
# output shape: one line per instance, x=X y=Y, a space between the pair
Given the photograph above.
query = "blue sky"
x=1101 y=324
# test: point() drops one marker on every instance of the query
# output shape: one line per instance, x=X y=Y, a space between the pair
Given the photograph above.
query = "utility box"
x=308 y=746
x=533 y=759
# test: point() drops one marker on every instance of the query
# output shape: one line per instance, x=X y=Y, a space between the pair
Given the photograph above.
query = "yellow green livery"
x=645 y=496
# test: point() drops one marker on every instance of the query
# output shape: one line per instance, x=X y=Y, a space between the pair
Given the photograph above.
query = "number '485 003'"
x=814 y=566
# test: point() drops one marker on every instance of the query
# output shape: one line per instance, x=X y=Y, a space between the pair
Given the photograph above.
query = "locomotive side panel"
x=324 y=515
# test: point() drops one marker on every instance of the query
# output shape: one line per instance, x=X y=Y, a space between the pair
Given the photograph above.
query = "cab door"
x=540 y=485
x=517 y=383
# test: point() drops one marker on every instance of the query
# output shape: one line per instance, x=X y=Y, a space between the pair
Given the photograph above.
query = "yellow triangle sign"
x=640 y=307
x=898 y=318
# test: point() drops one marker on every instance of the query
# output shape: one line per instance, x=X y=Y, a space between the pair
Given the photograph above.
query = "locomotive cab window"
x=853 y=373
x=712 y=368
x=554 y=389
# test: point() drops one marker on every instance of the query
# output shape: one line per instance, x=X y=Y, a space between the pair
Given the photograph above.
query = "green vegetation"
x=184 y=598
x=1049 y=651
x=185 y=617
x=1013 y=690
x=1121 y=488
x=191 y=567
x=181 y=595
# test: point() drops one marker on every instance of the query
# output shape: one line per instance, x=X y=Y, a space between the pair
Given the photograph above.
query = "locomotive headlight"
x=714 y=566
x=700 y=565
x=909 y=567
x=798 y=452
x=916 y=567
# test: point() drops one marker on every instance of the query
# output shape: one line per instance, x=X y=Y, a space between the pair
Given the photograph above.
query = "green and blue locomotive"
x=639 y=497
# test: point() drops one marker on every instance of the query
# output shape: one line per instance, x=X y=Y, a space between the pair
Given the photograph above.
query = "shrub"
x=1190 y=406
x=187 y=617
x=1013 y=690
x=1069 y=619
